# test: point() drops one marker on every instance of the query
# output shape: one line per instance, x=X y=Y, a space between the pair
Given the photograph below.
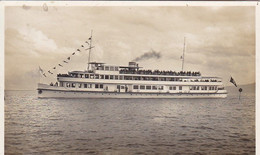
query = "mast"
x=183 y=54
x=89 y=48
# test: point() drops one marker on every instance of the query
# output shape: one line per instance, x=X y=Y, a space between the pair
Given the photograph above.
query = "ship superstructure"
x=109 y=81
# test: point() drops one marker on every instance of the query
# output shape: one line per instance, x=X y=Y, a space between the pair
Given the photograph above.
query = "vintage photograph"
x=129 y=79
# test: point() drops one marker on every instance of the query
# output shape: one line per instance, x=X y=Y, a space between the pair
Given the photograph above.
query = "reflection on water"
x=128 y=126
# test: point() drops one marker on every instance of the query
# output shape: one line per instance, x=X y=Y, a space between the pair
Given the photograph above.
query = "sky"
x=220 y=41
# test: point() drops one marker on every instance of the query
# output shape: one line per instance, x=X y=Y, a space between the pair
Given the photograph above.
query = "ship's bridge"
x=102 y=68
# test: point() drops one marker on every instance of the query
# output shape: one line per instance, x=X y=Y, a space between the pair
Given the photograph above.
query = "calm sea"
x=129 y=126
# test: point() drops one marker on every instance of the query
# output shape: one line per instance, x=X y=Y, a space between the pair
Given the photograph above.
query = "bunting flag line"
x=68 y=58
x=233 y=81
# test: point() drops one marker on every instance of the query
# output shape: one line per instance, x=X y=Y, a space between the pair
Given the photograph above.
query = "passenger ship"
x=101 y=80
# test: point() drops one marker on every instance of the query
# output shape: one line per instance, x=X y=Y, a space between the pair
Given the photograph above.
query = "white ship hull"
x=52 y=92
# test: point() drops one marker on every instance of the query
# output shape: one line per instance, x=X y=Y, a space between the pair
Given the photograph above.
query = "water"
x=128 y=126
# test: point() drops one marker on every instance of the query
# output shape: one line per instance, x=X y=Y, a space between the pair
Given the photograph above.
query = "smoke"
x=149 y=55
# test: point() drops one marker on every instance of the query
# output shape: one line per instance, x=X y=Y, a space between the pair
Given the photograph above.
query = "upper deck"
x=133 y=68
x=133 y=72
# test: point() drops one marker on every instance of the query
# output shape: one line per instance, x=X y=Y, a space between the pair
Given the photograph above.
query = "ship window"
x=85 y=85
x=101 y=67
x=160 y=87
x=136 y=78
x=86 y=75
x=96 y=86
x=136 y=87
x=180 y=87
x=154 y=87
x=170 y=87
x=101 y=76
x=121 y=77
x=116 y=68
x=111 y=76
x=142 y=87
x=174 y=88
x=122 y=87
x=79 y=85
x=112 y=68
x=116 y=77
x=73 y=85
x=89 y=85
x=206 y=87
x=106 y=68
x=198 y=88
x=96 y=76
x=148 y=87
x=101 y=86
x=91 y=76
x=106 y=77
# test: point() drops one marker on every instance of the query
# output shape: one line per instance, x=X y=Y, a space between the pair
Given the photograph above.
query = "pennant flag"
x=54 y=67
x=82 y=46
x=89 y=38
x=181 y=57
x=68 y=58
x=78 y=50
x=233 y=81
x=44 y=74
x=73 y=53
x=60 y=65
x=86 y=42
x=65 y=61
x=40 y=69
x=50 y=72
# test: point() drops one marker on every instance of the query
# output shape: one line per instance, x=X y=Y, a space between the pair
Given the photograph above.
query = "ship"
x=101 y=80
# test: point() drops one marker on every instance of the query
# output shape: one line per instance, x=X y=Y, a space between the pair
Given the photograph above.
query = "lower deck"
x=46 y=91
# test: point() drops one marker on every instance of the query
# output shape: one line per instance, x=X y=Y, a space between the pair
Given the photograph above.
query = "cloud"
x=38 y=39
